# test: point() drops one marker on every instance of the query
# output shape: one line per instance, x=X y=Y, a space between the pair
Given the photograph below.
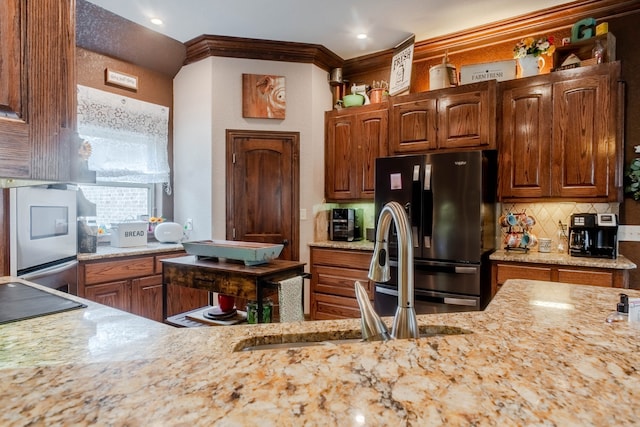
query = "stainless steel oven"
x=44 y=235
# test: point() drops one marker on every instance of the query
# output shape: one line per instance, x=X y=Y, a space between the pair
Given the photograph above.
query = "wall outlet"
x=629 y=233
x=188 y=225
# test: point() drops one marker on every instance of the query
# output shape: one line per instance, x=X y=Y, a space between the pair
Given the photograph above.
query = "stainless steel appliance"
x=593 y=235
x=44 y=236
x=450 y=200
x=346 y=224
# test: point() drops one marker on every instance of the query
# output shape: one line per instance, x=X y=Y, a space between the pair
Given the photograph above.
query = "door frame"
x=294 y=139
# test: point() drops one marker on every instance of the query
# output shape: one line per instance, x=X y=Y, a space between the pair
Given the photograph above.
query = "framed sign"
x=120 y=79
x=263 y=96
x=400 y=79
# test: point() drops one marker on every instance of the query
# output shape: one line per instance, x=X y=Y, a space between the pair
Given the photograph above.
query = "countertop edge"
x=105 y=251
x=534 y=257
x=360 y=245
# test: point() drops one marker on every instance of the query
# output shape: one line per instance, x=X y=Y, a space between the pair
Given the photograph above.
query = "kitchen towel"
x=290 y=299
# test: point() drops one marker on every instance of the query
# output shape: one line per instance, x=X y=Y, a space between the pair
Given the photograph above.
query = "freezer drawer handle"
x=466 y=270
x=460 y=301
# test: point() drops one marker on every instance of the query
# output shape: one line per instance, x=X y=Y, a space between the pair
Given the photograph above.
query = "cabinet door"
x=340 y=170
x=582 y=144
x=413 y=124
x=179 y=298
x=114 y=294
x=37 y=96
x=525 y=145
x=467 y=117
x=146 y=297
x=371 y=143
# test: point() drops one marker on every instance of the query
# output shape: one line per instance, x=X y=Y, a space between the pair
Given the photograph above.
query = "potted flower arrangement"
x=528 y=52
x=535 y=47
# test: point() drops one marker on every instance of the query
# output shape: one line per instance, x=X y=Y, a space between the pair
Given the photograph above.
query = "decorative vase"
x=530 y=65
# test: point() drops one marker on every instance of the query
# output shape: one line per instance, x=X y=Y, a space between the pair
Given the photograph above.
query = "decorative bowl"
x=352 y=100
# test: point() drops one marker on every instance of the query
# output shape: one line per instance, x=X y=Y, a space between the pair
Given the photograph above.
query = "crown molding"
x=270 y=50
x=555 y=18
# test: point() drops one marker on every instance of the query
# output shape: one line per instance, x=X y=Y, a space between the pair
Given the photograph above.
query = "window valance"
x=128 y=137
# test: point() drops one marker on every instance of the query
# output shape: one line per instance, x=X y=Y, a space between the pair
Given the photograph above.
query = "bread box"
x=128 y=234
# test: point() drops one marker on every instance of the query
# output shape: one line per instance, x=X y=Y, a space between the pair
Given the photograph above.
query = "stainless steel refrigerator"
x=450 y=199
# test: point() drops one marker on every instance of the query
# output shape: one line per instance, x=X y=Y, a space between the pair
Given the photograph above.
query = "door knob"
x=285 y=242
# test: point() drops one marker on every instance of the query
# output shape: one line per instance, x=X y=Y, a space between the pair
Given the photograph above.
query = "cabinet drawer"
x=108 y=271
x=506 y=272
x=340 y=281
x=583 y=277
x=158 y=264
x=328 y=307
x=338 y=258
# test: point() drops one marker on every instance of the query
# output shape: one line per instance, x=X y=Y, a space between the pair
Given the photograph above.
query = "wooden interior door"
x=263 y=188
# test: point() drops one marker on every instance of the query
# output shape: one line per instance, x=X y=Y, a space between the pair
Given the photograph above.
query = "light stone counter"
x=359 y=245
x=540 y=354
x=106 y=251
x=533 y=256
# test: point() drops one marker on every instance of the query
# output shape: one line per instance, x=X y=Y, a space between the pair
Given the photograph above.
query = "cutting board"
x=19 y=301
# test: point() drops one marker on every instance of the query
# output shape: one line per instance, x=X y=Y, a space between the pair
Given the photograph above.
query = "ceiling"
x=333 y=24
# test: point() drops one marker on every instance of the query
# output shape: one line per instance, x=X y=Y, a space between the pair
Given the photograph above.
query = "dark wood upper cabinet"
x=463 y=117
x=413 y=123
x=38 y=135
x=354 y=138
x=560 y=137
x=525 y=150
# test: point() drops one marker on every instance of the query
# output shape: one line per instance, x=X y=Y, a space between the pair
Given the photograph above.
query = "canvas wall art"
x=263 y=96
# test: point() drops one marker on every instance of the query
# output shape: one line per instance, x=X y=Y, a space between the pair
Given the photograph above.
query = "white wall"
x=192 y=149
x=207 y=102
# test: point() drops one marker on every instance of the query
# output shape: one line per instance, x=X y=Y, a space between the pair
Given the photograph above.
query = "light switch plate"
x=303 y=214
x=629 y=233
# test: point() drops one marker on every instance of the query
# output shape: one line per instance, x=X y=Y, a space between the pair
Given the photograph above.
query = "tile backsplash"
x=548 y=215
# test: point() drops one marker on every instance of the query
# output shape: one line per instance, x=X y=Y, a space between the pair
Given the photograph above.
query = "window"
x=116 y=202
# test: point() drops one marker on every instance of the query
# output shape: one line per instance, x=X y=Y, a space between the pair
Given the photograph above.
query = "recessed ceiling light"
x=362 y=36
x=156 y=21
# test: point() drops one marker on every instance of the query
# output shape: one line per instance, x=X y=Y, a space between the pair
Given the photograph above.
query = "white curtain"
x=128 y=137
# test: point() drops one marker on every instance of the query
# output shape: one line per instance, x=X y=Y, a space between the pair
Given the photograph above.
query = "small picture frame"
x=263 y=96
x=120 y=79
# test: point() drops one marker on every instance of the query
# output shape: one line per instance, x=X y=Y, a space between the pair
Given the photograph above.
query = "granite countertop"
x=533 y=256
x=106 y=251
x=359 y=245
x=541 y=353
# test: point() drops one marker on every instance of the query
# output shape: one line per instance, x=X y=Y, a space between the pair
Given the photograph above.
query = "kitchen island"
x=541 y=353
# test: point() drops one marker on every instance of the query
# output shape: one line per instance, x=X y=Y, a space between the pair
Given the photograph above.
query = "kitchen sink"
x=331 y=338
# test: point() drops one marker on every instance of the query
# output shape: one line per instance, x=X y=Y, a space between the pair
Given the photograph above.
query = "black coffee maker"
x=593 y=235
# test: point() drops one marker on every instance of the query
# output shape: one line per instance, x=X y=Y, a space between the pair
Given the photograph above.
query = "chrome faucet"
x=405 y=324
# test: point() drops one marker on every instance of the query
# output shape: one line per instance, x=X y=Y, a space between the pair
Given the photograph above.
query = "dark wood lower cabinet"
x=134 y=284
x=333 y=274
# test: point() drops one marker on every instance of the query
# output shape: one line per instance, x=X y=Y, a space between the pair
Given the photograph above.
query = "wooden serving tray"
x=251 y=253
